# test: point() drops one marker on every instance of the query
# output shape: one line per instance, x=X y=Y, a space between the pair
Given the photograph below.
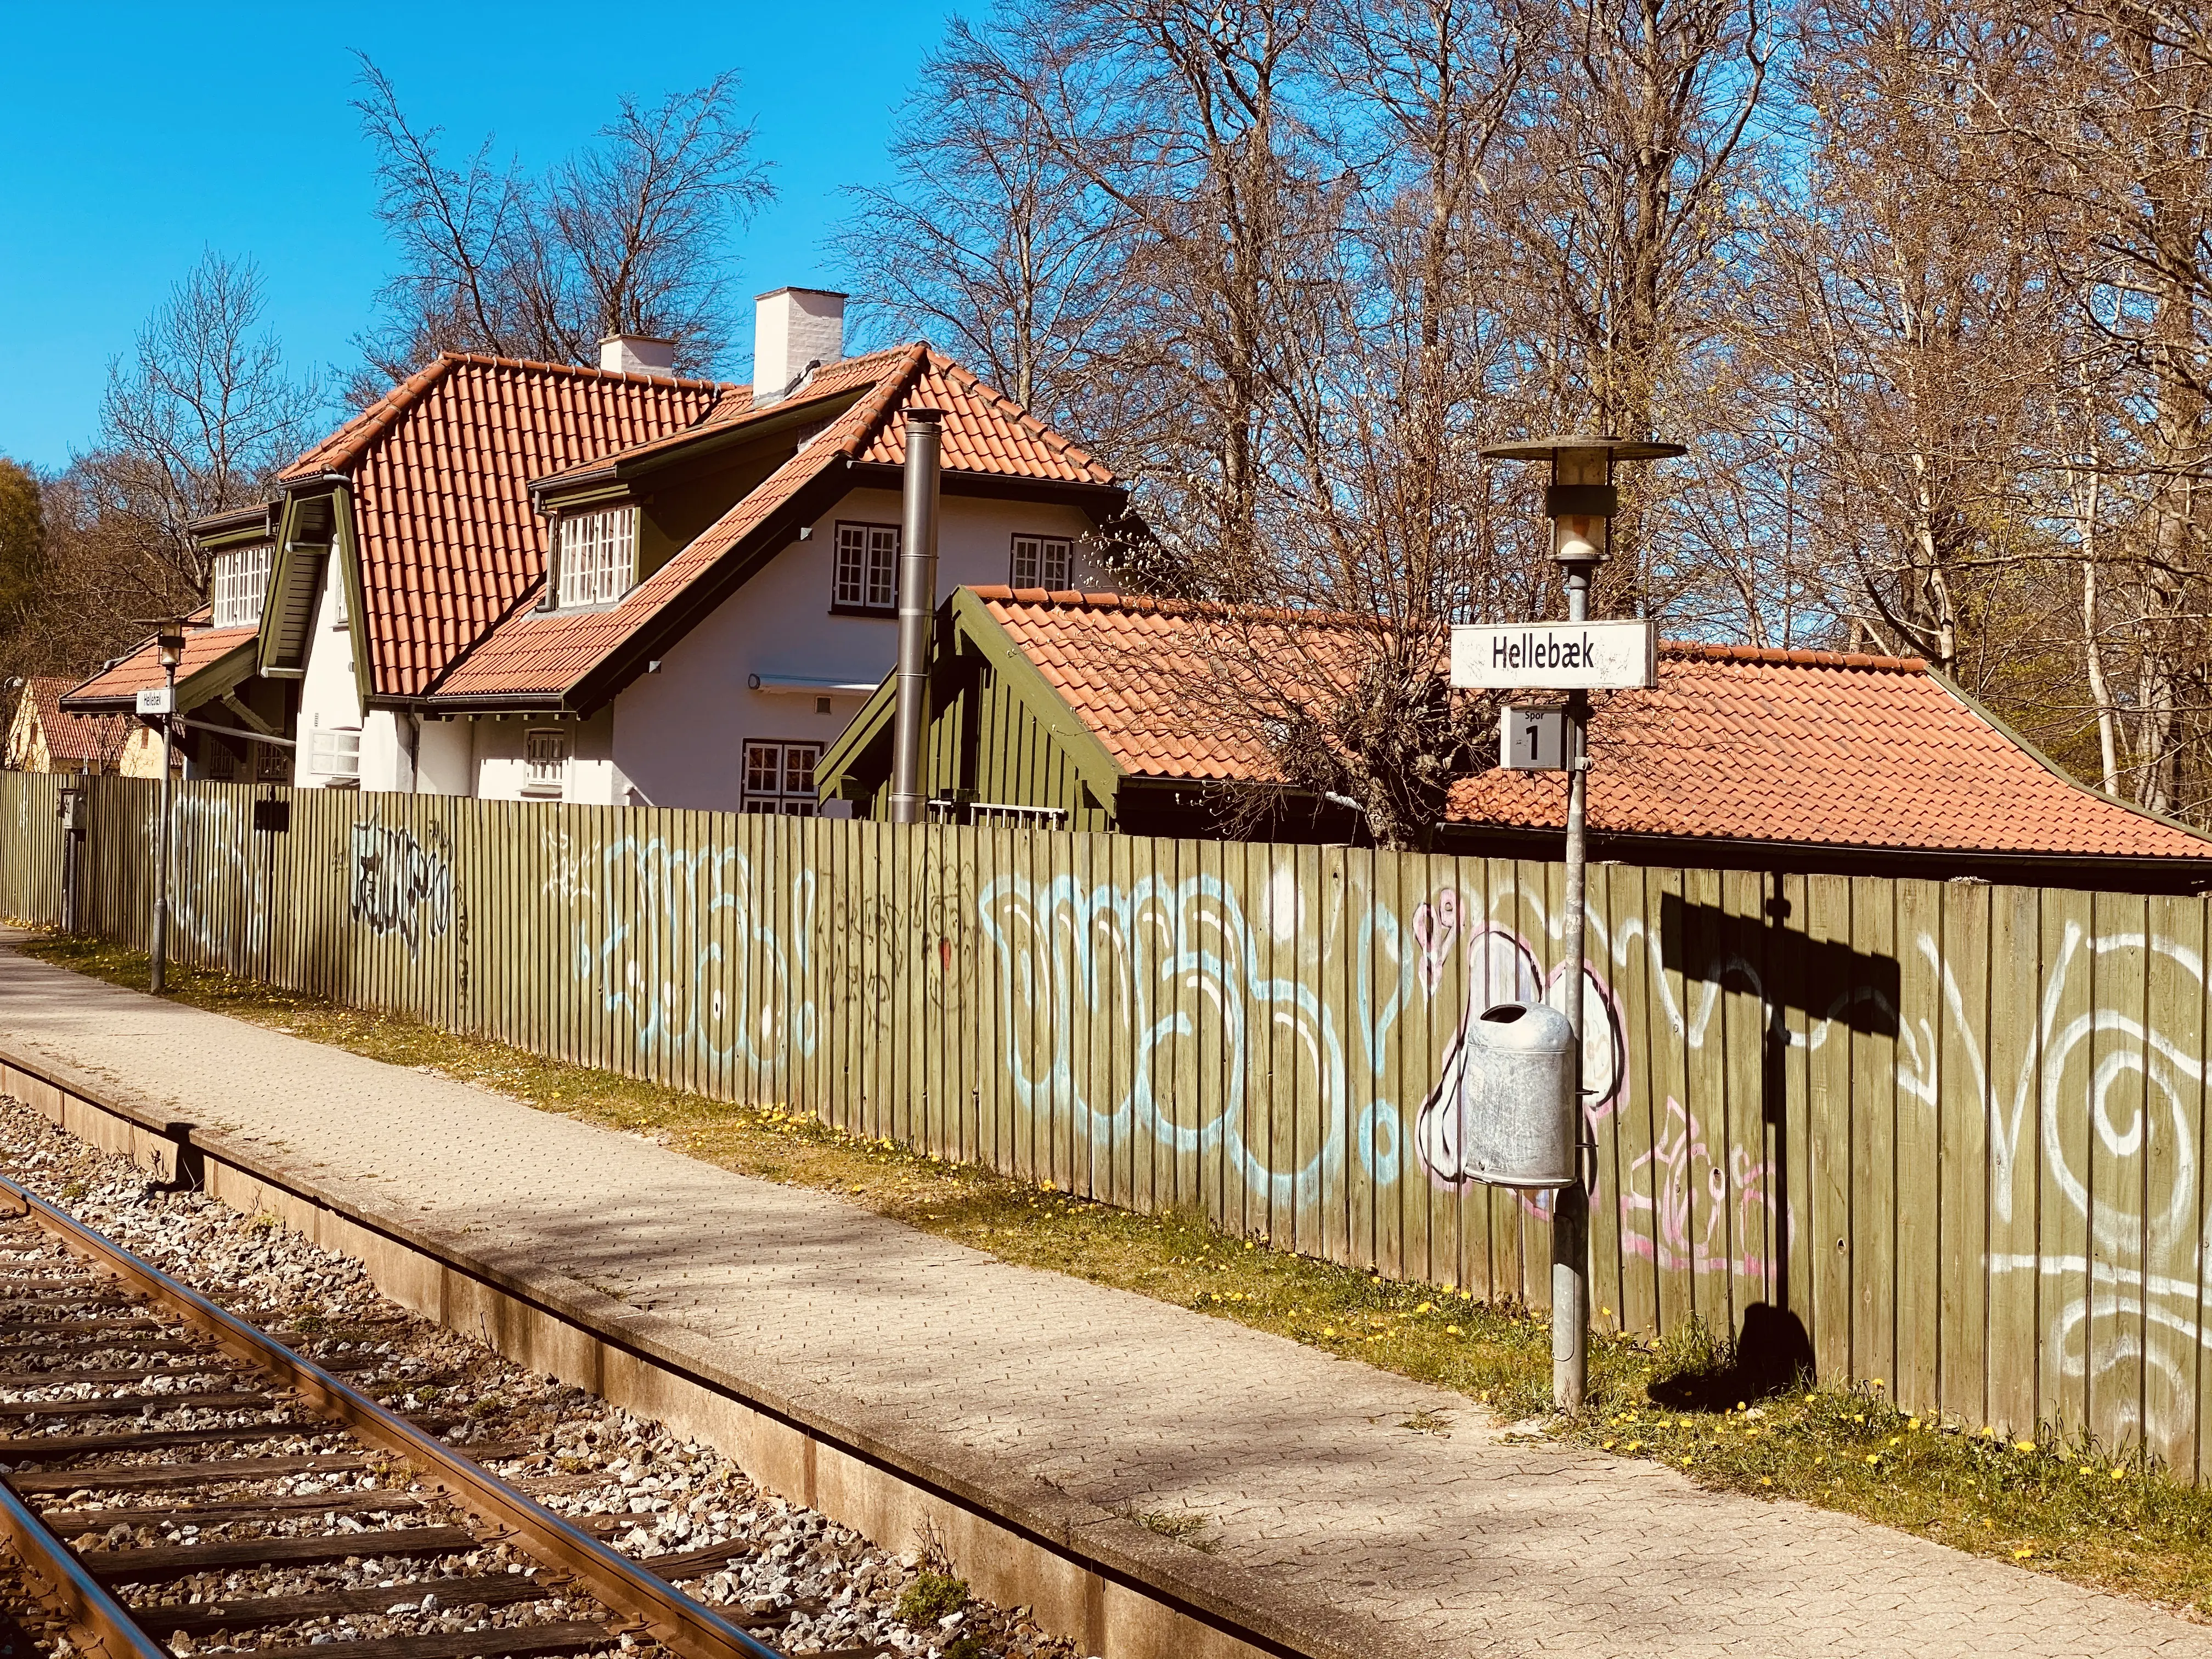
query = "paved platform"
x=1409 y=1543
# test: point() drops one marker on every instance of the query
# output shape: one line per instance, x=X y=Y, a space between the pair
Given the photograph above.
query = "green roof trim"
x=963 y=620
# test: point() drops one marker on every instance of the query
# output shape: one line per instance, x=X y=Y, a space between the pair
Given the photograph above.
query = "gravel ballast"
x=808 y=1585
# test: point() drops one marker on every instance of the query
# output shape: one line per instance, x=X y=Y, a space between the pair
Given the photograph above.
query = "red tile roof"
x=538 y=654
x=204 y=647
x=98 y=739
x=1124 y=666
x=441 y=469
x=1824 y=749
x=1735 y=743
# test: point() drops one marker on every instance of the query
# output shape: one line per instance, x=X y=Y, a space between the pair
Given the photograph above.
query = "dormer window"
x=596 y=555
x=239 y=582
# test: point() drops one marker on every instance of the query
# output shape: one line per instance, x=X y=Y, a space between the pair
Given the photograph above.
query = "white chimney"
x=793 y=329
x=638 y=354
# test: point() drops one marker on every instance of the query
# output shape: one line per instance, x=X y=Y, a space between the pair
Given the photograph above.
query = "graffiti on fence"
x=682 y=946
x=2115 y=1100
x=1210 y=1035
x=399 y=885
x=222 y=888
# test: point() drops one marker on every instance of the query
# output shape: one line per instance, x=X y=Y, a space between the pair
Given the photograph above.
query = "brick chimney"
x=638 y=354
x=794 y=329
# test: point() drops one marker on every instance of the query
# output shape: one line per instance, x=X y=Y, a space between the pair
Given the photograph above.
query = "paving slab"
x=1416 y=1544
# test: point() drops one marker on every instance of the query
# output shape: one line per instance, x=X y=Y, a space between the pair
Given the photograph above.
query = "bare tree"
x=990 y=243
x=196 y=420
x=627 y=237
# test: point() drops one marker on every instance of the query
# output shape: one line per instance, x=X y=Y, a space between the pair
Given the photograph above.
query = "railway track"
x=160 y=1454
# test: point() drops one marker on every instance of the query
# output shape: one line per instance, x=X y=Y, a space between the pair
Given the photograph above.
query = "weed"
x=1188 y=1527
x=1425 y=1421
x=75 y=1189
x=932 y=1596
x=966 y=1646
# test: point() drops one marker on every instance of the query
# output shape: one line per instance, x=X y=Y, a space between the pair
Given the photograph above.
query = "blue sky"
x=133 y=136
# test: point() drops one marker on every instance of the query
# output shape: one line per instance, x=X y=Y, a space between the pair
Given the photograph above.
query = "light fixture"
x=171 y=647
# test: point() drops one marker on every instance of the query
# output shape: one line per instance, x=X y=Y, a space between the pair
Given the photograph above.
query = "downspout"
x=917 y=608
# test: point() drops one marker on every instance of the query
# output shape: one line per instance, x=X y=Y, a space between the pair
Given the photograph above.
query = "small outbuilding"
x=41 y=737
x=1089 y=711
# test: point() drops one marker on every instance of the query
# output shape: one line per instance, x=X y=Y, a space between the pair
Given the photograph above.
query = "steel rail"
x=673 y=1618
x=61 y=1584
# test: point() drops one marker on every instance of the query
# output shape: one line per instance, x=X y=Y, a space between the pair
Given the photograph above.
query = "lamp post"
x=170 y=646
x=1580 y=501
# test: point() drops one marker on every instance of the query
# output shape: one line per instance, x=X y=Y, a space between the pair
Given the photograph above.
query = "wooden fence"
x=1956 y=1130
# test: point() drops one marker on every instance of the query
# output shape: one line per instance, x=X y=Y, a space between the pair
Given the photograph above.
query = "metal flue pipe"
x=917 y=610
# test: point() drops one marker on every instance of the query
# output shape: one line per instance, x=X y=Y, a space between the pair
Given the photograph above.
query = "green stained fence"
x=1956 y=1130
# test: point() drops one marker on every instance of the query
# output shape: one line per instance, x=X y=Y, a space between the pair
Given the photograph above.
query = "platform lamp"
x=1581 y=502
x=169 y=646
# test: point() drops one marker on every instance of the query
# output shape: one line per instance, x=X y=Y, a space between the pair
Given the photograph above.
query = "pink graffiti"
x=1676 y=1200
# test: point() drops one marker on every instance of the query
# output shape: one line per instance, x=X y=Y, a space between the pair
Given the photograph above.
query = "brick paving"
x=1472 y=1543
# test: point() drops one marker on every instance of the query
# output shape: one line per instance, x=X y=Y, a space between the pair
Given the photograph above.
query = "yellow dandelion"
x=2118 y=1474
x=1328 y=1330
x=1608 y=1446
x=1425 y=1307
x=1763 y=1481
x=1451 y=1330
x=2023 y=1554
x=1633 y=1445
x=2024 y=1445
x=1875 y=1383
x=1873 y=1457
x=1914 y=1424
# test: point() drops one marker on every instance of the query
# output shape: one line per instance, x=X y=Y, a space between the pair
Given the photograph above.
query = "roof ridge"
x=1146 y=604
x=491 y=360
x=875 y=405
x=345 y=446
x=1793 y=657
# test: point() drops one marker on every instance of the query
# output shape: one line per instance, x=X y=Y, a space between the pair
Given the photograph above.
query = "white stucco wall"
x=328 y=698
x=445 y=759
x=499 y=749
x=680 y=735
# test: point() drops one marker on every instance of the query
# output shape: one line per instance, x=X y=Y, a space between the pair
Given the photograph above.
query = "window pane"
x=1025 y=562
x=883 y=566
x=852 y=586
x=1056 y=562
x=798 y=760
x=762 y=764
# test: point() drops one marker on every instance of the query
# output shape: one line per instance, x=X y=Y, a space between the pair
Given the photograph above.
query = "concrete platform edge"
x=1091 y=1576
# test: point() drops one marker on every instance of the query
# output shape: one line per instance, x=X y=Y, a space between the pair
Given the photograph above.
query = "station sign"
x=157 y=700
x=1596 y=656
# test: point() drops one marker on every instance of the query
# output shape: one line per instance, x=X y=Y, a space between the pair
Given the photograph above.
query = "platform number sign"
x=1533 y=739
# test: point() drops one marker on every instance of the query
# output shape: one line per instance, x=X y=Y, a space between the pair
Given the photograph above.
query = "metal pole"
x=157 y=982
x=1570 y=1203
x=917 y=610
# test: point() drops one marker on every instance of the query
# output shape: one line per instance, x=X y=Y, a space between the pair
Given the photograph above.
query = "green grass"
x=2091 y=1514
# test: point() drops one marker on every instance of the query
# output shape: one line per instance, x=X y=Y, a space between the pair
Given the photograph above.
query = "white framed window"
x=338 y=618
x=336 y=751
x=545 y=760
x=597 y=556
x=239 y=582
x=1047 y=562
x=779 y=777
x=867 y=568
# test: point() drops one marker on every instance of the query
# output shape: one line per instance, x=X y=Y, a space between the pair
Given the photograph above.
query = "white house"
x=525 y=580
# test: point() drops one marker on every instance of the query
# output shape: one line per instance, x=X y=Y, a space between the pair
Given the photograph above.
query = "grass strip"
x=2102 y=1516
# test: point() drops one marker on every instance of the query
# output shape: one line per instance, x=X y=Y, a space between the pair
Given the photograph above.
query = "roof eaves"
x=1974 y=704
